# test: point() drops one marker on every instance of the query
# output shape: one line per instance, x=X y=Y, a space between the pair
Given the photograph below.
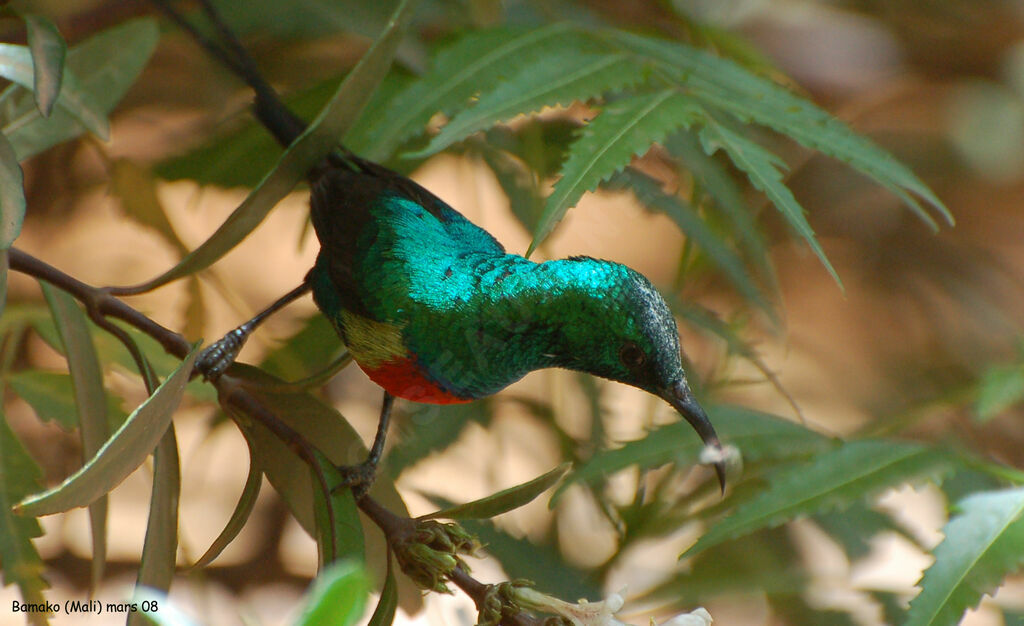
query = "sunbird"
x=432 y=307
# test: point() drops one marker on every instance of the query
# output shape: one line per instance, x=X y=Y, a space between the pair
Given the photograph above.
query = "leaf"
x=982 y=545
x=105 y=66
x=432 y=428
x=337 y=598
x=240 y=515
x=608 y=143
x=503 y=501
x=648 y=191
x=50 y=394
x=160 y=546
x=541 y=564
x=853 y=471
x=19 y=475
x=564 y=77
x=339 y=534
x=122 y=454
x=12 y=194
x=16 y=65
x=158 y=607
x=762 y=168
x=475 y=63
x=90 y=403
x=722 y=84
x=320 y=138
x=999 y=389
x=384 y=614
x=48 y=50
x=135 y=187
x=760 y=437
x=290 y=476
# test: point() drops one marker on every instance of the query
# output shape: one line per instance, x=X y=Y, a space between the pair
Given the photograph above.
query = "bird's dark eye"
x=631 y=355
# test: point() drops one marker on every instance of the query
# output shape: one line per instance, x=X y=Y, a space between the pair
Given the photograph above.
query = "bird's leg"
x=219 y=355
x=360 y=477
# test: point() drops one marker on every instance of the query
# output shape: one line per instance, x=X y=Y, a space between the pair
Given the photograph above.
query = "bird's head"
x=625 y=331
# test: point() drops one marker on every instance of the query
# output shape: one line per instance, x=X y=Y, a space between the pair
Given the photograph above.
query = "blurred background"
x=923 y=338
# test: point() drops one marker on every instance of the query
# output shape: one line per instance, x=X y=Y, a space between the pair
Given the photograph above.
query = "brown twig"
x=100 y=304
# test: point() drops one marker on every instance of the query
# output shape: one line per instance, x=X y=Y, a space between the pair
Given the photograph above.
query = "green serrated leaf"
x=50 y=394
x=648 y=191
x=19 y=475
x=240 y=515
x=338 y=596
x=319 y=139
x=982 y=545
x=12 y=194
x=854 y=470
x=763 y=169
x=475 y=63
x=104 y=65
x=90 y=403
x=563 y=78
x=121 y=454
x=758 y=436
x=503 y=501
x=160 y=547
x=48 y=51
x=724 y=85
x=625 y=128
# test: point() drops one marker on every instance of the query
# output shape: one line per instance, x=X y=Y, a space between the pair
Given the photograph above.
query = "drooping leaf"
x=124 y=452
x=319 y=138
x=90 y=403
x=104 y=65
x=338 y=531
x=239 y=516
x=622 y=130
x=648 y=191
x=160 y=546
x=16 y=65
x=12 y=194
x=722 y=84
x=763 y=169
x=384 y=614
x=475 y=63
x=983 y=544
x=19 y=476
x=48 y=50
x=563 y=78
x=503 y=501
x=338 y=596
x=854 y=470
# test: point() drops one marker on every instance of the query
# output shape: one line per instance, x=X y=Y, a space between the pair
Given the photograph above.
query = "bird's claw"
x=218 y=356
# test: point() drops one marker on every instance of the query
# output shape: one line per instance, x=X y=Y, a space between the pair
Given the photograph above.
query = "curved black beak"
x=682 y=400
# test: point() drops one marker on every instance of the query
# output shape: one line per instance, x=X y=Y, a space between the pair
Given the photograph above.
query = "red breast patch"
x=402 y=378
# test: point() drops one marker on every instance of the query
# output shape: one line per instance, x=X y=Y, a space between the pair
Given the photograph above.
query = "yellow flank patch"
x=372 y=343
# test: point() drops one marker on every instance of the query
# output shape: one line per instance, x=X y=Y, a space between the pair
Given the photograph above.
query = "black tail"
x=270 y=110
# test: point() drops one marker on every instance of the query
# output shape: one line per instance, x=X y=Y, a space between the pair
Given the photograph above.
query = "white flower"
x=585 y=613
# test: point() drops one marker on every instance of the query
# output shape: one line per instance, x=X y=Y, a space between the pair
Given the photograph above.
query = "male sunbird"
x=431 y=306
